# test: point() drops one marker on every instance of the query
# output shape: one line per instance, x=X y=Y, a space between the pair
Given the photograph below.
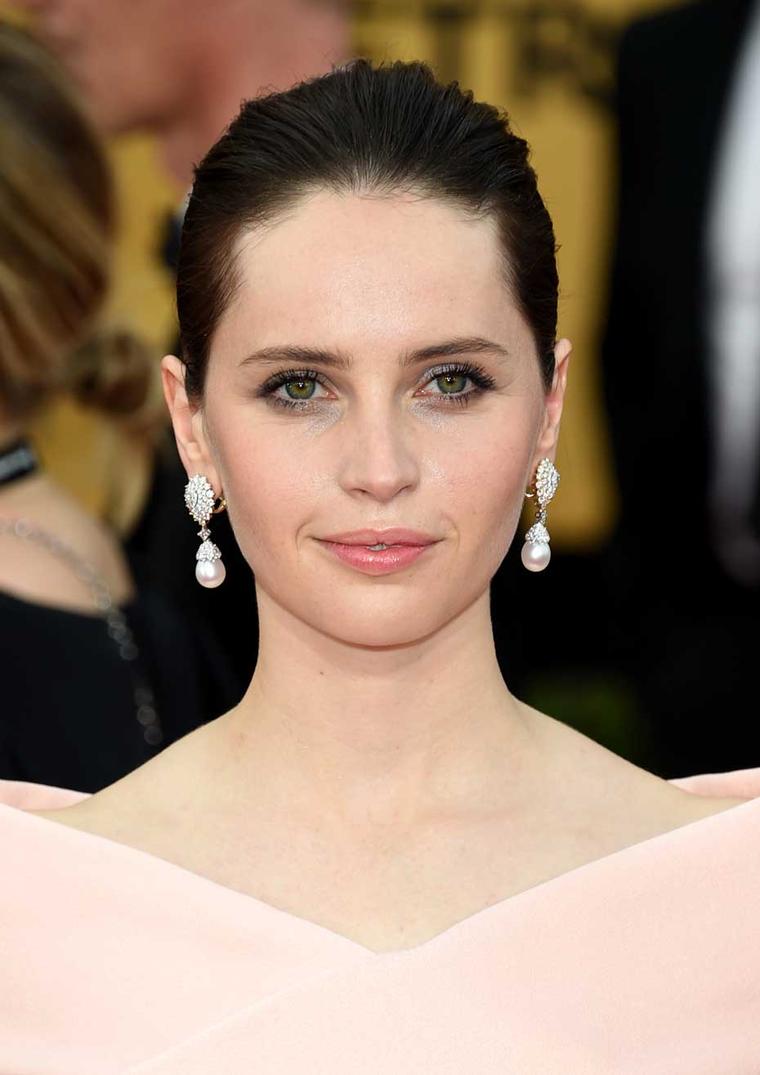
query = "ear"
x=187 y=420
x=546 y=445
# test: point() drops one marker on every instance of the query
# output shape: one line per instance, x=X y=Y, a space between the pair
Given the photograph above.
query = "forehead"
x=369 y=270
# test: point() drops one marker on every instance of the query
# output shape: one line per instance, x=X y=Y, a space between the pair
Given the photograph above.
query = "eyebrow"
x=339 y=360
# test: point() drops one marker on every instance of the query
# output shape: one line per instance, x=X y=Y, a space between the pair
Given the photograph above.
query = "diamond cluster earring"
x=199 y=500
x=536 y=553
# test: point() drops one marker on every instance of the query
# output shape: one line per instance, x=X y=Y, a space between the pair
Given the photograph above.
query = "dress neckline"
x=147 y=861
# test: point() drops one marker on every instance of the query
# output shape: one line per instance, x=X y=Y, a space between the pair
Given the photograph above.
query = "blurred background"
x=643 y=632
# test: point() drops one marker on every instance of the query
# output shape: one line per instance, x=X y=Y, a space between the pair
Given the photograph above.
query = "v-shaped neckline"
x=150 y=861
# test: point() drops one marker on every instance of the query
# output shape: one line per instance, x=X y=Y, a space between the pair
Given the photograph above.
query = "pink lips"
x=403 y=547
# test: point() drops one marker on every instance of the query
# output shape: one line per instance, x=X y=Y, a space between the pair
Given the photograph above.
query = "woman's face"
x=372 y=373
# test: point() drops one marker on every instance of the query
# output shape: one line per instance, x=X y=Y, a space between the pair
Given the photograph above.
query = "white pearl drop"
x=535 y=555
x=210 y=573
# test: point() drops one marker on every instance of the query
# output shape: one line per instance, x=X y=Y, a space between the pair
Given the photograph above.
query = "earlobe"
x=187 y=422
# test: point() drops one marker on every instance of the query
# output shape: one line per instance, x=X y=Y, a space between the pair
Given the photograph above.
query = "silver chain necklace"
x=118 y=629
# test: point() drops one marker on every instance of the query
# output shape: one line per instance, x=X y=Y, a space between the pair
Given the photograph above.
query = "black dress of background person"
x=689 y=631
x=70 y=717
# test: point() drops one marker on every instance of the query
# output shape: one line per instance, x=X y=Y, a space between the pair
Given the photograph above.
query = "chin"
x=382 y=624
x=376 y=635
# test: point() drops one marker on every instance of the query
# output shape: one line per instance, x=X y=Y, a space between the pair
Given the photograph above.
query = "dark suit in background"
x=687 y=631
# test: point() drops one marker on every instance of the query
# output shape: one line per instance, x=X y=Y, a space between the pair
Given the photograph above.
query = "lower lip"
x=376 y=561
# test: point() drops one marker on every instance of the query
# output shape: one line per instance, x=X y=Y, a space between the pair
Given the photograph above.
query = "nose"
x=378 y=460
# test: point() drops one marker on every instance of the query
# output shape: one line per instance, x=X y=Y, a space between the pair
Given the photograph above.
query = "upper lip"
x=392 y=536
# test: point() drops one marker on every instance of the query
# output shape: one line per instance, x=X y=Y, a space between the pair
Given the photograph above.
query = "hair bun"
x=116 y=372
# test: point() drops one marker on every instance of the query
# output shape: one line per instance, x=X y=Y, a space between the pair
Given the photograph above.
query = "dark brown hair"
x=362 y=128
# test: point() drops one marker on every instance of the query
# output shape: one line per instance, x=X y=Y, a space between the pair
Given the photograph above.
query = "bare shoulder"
x=601 y=782
x=146 y=800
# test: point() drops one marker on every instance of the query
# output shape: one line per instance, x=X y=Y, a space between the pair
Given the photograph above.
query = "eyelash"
x=476 y=374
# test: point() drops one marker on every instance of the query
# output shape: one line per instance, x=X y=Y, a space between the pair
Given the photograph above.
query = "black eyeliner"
x=473 y=372
x=277 y=380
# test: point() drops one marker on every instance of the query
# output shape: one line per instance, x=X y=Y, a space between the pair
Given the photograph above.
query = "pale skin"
x=378 y=777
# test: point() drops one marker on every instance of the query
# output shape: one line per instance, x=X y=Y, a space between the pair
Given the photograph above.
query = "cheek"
x=481 y=475
x=484 y=492
x=270 y=482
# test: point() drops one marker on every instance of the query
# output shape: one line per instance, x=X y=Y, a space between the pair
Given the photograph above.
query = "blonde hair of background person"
x=56 y=232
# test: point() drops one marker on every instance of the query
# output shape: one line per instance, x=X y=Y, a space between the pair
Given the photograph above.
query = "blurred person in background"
x=179 y=69
x=681 y=367
x=98 y=675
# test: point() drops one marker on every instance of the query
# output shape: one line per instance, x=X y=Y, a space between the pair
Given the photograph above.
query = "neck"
x=246 y=50
x=392 y=735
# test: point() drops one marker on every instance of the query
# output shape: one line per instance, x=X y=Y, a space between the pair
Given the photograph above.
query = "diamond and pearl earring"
x=536 y=553
x=199 y=500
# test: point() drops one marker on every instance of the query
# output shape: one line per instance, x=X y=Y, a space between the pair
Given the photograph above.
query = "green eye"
x=303 y=389
x=451 y=383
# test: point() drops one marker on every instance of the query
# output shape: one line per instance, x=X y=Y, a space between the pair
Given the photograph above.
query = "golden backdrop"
x=550 y=65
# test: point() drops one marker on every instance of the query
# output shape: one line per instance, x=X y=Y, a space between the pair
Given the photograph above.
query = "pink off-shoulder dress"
x=644 y=962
